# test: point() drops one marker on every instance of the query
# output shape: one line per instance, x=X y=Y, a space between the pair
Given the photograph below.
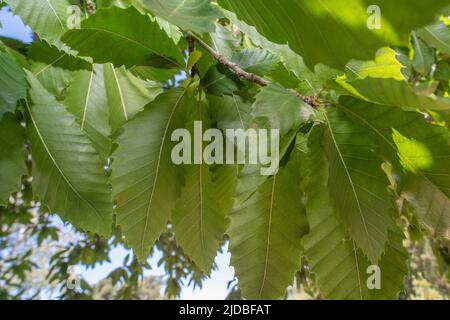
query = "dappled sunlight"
x=414 y=155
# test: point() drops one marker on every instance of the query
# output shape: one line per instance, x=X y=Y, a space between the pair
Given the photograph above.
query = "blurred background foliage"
x=39 y=256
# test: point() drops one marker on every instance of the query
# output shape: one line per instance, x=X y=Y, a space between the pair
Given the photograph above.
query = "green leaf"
x=431 y=205
x=333 y=32
x=116 y=35
x=191 y=15
x=340 y=268
x=68 y=175
x=231 y=112
x=127 y=94
x=104 y=99
x=234 y=112
x=394 y=268
x=48 y=18
x=250 y=177
x=13 y=85
x=277 y=108
x=423 y=58
x=199 y=218
x=154 y=74
x=437 y=35
x=53 y=66
x=87 y=100
x=171 y=30
x=105 y=3
x=420 y=148
x=55 y=80
x=442 y=71
x=265 y=235
x=395 y=93
x=385 y=66
x=332 y=257
x=219 y=80
x=358 y=185
x=144 y=179
x=224 y=41
x=200 y=215
x=12 y=157
x=380 y=81
x=256 y=60
x=194 y=58
x=16 y=49
x=56 y=56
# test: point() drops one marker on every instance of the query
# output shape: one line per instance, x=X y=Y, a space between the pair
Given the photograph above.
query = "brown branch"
x=241 y=73
x=231 y=65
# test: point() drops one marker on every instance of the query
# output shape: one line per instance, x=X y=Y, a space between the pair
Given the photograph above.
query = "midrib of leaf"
x=133 y=41
x=410 y=163
x=377 y=66
x=87 y=99
x=215 y=44
x=349 y=177
x=56 y=164
x=241 y=120
x=202 y=232
x=200 y=187
x=119 y=88
x=49 y=65
x=441 y=215
x=268 y=237
x=348 y=67
x=436 y=37
x=182 y=3
x=239 y=112
x=57 y=17
x=357 y=269
x=419 y=51
x=157 y=169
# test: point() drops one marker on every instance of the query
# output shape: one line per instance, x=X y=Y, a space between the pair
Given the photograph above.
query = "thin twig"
x=231 y=65
x=247 y=75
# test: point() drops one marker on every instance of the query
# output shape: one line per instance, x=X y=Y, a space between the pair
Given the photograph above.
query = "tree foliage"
x=360 y=96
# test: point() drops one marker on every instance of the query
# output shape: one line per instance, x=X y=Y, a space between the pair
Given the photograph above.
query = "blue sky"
x=215 y=288
x=13 y=27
